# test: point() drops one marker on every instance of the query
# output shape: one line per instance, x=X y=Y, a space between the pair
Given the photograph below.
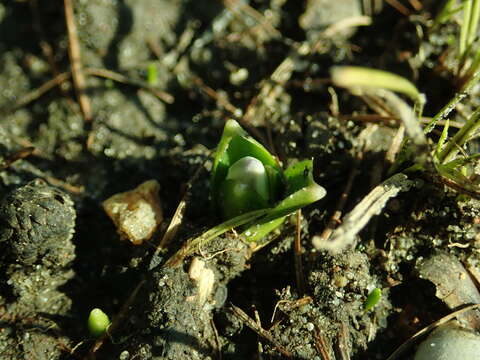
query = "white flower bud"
x=250 y=172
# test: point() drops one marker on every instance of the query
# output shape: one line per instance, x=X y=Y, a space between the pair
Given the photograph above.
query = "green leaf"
x=221 y=161
x=295 y=201
x=234 y=145
x=442 y=139
x=291 y=203
x=299 y=175
x=236 y=199
x=235 y=193
x=356 y=76
x=372 y=299
x=257 y=232
x=152 y=74
x=461 y=161
x=276 y=184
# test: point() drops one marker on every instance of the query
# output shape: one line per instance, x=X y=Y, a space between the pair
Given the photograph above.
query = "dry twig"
x=179 y=212
x=321 y=344
x=299 y=275
x=247 y=320
x=341 y=347
x=76 y=63
x=18 y=155
x=335 y=219
x=108 y=74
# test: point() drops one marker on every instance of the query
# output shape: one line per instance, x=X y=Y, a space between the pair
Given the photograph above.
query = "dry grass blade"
x=179 y=212
x=238 y=7
x=18 y=155
x=76 y=63
x=32 y=169
x=299 y=275
x=346 y=23
x=462 y=189
x=43 y=43
x=357 y=219
x=221 y=101
x=37 y=93
x=335 y=219
x=341 y=347
x=218 y=346
x=395 y=145
x=399 y=7
x=247 y=320
x=416 y=4
x=104 y=73
x=321 y=344
x=108 y=74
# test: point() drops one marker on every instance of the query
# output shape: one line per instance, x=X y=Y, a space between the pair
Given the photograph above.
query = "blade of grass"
x=443 y=138
x=461 y=161
x=447 y=109
x=355 y=76
x=473 y=25
x=211 y=234
x=460 y=138
x=464 y=30
x=287 y=206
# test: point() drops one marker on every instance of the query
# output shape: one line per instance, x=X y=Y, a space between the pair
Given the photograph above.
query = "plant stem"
x=464 y=31
x=460 y=138
x=459 y=96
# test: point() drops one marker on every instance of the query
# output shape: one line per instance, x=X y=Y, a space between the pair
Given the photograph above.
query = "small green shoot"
x=152 y=74
x=355 y=76
x=379 y=85
x=372 y=299
x=246 y=177
x=287 y=192
x=98 y=323
x=442 y=139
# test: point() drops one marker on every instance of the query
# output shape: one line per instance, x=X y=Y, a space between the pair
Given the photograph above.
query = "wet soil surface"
x=161 y=79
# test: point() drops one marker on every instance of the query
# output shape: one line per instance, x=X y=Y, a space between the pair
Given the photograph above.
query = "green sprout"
x=247 y=178
x=372 y=299
x=152 y=74
x=459 y=171
x=98 y=322
x=357 y=76
x=467 y=45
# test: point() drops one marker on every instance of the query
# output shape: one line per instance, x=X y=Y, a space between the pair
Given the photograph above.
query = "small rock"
x=450 y=342
x=136 y=213
x=204 y=279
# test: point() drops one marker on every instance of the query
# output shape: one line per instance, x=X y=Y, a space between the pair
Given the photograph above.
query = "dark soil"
x=60 y=254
